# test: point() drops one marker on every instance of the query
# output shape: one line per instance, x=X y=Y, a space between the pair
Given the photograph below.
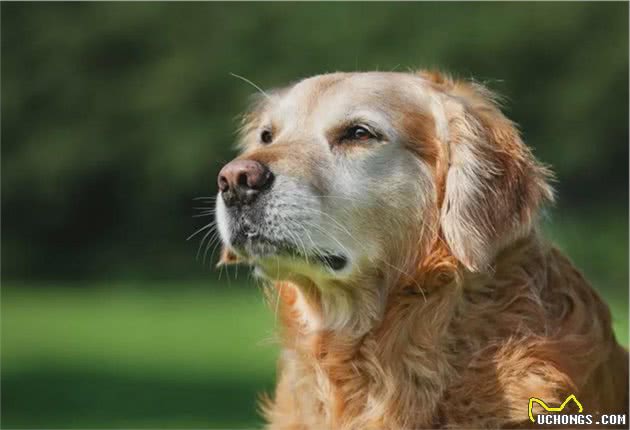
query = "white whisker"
x=202 y=241
x=200 y=230
x=251 y=83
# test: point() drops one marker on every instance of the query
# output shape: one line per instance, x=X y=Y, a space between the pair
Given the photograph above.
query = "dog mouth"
x=334 y=261
x=256 y=247
x=261 y=239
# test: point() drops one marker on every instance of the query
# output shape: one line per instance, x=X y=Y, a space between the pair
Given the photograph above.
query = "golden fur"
x=478 y=314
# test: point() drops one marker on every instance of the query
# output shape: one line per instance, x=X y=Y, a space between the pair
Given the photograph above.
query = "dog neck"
x=340 y=336
x=351 y=309
x=417 y=331
x=354 y=309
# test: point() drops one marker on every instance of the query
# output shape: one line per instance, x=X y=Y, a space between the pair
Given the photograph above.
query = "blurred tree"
x=115 y=115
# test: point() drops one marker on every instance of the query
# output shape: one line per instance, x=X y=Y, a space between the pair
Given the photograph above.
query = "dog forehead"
x=338 y=94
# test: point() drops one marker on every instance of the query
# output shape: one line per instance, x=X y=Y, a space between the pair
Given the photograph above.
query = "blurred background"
x=116 y=115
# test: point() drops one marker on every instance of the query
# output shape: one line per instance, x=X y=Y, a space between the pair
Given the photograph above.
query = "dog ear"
x=493 y=186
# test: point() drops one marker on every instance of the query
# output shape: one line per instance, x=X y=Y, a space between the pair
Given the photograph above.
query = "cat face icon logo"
x=533 y=400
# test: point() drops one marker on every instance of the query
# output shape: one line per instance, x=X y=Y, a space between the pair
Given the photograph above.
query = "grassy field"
x=121 y=356
x=116 y=356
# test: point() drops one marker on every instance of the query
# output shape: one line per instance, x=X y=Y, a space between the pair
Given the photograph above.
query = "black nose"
x=241 y=181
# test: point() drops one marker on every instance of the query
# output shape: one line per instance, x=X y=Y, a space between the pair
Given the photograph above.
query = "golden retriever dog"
x=395 y=216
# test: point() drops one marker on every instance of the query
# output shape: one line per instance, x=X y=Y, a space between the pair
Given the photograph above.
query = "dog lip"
x=335 y=261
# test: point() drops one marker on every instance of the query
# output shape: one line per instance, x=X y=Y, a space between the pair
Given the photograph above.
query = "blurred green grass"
x=134 y=355
x=122 y=356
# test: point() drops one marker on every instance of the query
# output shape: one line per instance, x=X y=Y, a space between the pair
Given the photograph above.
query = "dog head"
x=343 y=173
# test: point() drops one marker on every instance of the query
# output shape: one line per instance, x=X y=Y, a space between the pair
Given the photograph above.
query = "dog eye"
x=266 y=137
x=359 y=133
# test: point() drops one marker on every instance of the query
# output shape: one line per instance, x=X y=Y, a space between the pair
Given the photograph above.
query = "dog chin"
x=292 y=268
x=269 y=254
x=280 y=261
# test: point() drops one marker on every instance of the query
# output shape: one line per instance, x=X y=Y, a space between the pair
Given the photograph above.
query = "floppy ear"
x=494 y=187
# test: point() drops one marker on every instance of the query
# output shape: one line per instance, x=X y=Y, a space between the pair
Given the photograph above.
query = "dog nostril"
x=223 y=184
x=243 y=180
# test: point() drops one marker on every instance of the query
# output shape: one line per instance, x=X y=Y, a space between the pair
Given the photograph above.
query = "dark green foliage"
x=114 y=116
